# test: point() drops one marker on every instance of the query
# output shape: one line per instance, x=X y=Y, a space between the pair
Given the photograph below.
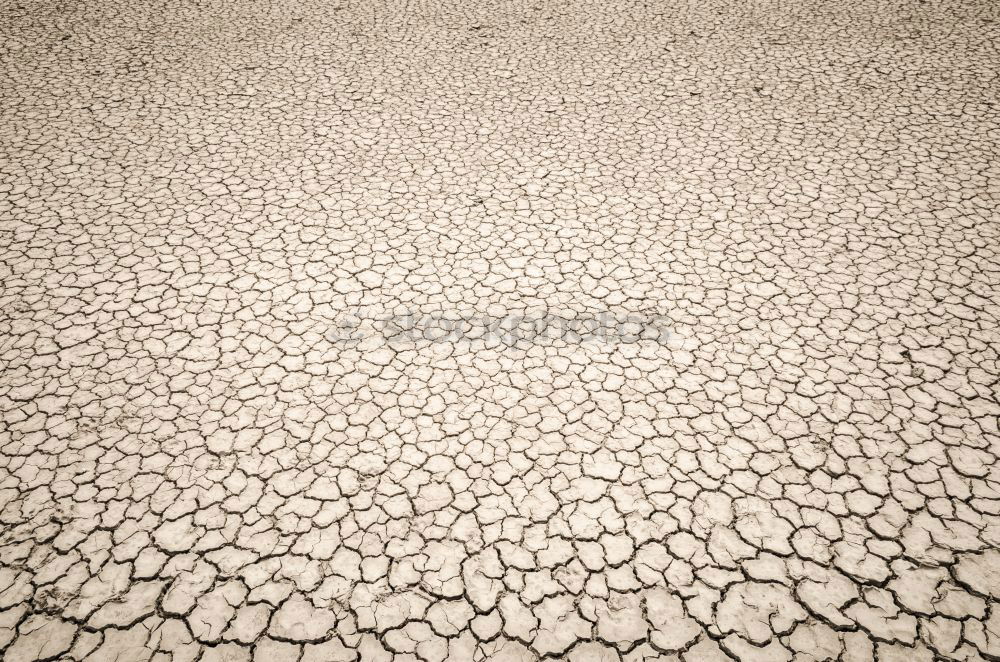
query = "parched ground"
x=212 y=448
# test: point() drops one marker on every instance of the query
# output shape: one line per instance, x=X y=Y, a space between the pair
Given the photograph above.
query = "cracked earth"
x=198 y=198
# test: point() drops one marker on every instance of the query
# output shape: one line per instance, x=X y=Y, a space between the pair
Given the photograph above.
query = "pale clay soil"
x=197 y=199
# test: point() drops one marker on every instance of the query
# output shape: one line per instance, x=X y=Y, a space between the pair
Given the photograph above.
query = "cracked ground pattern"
x=194 y=465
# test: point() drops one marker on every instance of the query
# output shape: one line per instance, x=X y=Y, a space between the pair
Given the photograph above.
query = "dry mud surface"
x=212 y=447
